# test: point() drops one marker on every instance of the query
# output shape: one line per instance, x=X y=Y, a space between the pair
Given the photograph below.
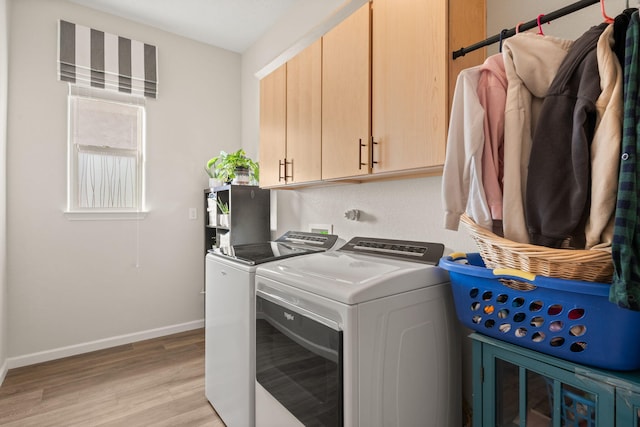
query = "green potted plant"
x=229 y=166
x=210 y=168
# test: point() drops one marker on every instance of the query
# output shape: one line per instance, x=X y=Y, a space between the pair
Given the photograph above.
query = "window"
x=106 y=156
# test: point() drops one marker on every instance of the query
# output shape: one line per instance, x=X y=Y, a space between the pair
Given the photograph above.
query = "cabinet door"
x=346 y=97
x=627 y=408
x=273 y=120
x=467 y=26
x=522 y=391
x=409 y=80
x=304 y=115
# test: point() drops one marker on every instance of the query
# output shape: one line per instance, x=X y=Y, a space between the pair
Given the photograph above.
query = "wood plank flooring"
x=158 y=382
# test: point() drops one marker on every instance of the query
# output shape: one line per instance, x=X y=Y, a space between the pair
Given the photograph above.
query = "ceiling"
x=230 y=24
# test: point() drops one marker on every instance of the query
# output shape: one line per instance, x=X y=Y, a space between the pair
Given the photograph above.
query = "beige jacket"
x=462 y=189
x=605 y=147
x=531 y=62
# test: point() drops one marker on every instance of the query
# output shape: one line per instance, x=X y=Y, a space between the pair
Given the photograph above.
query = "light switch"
x=193 y=213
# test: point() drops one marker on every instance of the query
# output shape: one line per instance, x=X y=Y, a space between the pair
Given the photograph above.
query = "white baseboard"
x=3 y=371
x=72 y=350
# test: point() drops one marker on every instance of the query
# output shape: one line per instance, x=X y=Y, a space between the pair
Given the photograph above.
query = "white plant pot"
x=223 y=220
x=214 y=182
x=213 y=218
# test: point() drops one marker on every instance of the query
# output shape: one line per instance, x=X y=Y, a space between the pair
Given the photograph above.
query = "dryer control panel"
x=407 y=250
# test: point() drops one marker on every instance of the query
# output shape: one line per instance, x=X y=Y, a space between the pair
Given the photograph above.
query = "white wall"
x=4 y=327
x=75 y=285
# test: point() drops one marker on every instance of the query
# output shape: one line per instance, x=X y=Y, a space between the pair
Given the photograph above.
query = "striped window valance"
x=89 y=57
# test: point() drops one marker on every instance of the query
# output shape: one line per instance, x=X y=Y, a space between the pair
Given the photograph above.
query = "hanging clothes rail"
x=526 y=26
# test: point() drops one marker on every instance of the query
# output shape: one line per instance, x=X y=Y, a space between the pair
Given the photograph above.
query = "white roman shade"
x=93 y=58
x=100 y=123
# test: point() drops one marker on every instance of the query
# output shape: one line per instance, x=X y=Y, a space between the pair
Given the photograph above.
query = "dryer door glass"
x=299 y=362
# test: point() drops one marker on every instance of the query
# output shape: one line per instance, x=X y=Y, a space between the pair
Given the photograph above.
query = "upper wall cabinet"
x=290 y=121
x=411 y=73
x=346 y=97
x=304 y=104
x=387 y=81
x=273 y=131
x=409 y=84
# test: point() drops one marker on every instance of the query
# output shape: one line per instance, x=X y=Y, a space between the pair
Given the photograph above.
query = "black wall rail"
x=504 y=34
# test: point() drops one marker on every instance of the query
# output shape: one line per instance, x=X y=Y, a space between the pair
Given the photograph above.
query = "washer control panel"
x=311 y=240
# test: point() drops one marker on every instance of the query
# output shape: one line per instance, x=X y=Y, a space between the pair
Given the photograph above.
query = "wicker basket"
x=574 y=264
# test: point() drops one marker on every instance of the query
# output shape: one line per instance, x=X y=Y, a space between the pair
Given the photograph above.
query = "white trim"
x=72 y=350
x=3 y=371
x=104 y=216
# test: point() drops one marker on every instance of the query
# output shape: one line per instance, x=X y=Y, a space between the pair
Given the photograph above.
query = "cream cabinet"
x=409 y=84
x=346 y=97
x=412 y=68
x=387 y=80
x=304 y=103
x=290 y=120
x=273 y=132
x=400 y=53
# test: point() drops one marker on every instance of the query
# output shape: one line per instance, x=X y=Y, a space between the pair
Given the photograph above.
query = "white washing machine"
x=362 y=336
x=230 y=319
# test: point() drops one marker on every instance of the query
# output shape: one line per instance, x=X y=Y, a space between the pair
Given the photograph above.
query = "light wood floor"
x=158 y=382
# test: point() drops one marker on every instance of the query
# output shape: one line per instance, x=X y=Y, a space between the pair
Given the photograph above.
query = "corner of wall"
x=3 y=371
x=4 y=36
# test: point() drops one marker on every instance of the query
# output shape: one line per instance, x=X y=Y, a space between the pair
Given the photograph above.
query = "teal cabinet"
x=628 y=408
x=514 y=386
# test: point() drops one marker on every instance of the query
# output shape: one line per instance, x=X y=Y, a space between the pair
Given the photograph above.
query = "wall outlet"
x=193 y=213
x=321 y=228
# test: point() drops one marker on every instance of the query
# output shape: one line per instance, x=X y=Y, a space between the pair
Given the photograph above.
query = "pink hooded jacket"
x=492 y=93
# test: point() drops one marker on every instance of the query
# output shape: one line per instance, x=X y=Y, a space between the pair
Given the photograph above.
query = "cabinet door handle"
x=360 y=145
x=288 y=177
x=281 y=166
x=373 y=143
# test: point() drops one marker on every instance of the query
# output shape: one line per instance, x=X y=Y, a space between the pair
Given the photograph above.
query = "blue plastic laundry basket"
x=570 y=319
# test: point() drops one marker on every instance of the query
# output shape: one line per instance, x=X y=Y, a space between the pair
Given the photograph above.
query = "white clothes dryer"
x=365 y=335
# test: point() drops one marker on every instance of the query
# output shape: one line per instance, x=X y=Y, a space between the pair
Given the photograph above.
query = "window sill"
x=105 y=215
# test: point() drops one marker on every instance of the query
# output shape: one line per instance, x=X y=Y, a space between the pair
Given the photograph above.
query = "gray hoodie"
x=558 y=185
x=531 y=62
